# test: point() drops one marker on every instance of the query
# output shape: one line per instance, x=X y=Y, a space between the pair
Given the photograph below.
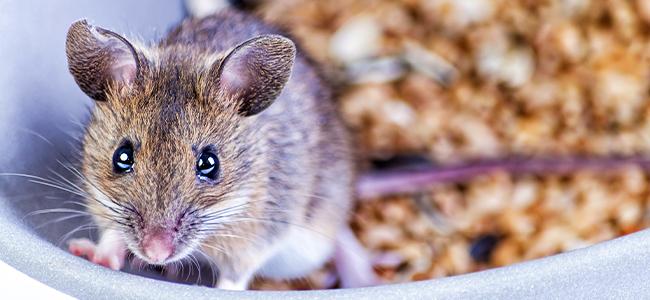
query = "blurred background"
x=456 y=81
x=462 y=79
x=425 y=82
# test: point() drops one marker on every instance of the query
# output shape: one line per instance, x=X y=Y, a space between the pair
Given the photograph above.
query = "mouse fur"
x=238 y=86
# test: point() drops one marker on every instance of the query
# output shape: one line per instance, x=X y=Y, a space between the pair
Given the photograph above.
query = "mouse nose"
x=158 y=247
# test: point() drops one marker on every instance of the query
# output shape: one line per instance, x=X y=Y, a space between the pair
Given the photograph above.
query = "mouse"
x=220 y=139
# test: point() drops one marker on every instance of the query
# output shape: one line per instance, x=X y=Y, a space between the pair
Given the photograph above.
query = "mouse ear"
x=255 y=72
x=98 y=58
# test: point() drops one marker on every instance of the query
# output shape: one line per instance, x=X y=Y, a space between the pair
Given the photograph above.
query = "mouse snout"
x=158 y=246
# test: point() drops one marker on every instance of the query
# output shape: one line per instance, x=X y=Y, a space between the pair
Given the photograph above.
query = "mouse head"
x=174 y=152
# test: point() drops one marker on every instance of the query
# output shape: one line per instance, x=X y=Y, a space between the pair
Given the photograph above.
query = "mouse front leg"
x=109 y=252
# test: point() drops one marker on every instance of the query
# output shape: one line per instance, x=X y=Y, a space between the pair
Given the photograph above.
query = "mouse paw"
x=82 y=247
x=110 y=260
x=110 y=256
x=96 y=254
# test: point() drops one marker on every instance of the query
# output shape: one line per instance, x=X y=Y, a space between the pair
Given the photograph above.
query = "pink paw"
x=110 y=257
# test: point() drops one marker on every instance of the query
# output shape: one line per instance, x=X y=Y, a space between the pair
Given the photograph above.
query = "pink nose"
x=158 y=247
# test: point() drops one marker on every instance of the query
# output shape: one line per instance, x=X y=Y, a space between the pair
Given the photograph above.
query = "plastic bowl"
x=39 y=101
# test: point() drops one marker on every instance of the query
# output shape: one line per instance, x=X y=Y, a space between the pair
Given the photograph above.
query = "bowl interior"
x=43 y=111
x=41 y=119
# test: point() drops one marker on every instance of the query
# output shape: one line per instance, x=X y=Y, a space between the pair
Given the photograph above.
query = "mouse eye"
x=207 y=166
x=123 y=159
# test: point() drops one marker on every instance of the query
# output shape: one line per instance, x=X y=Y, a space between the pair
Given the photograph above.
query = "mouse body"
x=220 y=140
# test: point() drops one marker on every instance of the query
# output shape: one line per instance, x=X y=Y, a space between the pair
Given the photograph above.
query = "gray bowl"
x=41 y=110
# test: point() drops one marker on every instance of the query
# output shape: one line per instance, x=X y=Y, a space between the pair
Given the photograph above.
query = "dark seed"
x=482 y=247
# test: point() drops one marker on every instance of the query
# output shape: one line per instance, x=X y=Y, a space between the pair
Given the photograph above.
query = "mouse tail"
x=380 y=183
x=203 y=8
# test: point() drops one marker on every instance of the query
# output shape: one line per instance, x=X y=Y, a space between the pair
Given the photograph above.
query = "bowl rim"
x=611 y=268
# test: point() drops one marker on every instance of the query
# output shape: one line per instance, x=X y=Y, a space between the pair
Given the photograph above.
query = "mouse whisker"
x=70 y=183
x=61 y=219
x=223 y=214
x=211 y=264
x=222 y=195
x=54 y=146
x=59 y=186
x=214 y=247
x=53 y=210
x=218 y=213
x=119 y=211
x=228 y=209
x=180 y=269
x=65 y=237
x=46 y=182
x=81 y=177
x=195 y=263
x=272 y=221
x=84 y=205
x=217 y=234
x=44 y=195
x=180 y=266
x=219 y=221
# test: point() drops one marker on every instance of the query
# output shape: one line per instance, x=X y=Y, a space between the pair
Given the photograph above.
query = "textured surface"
x=42 y=97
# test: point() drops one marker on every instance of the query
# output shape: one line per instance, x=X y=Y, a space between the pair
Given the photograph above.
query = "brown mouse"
x=220 y=139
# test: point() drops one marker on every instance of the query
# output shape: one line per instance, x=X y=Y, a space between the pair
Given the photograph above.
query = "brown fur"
x=290 y=163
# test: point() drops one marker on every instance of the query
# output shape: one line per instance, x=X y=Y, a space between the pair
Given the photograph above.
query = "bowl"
x=42 y=113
